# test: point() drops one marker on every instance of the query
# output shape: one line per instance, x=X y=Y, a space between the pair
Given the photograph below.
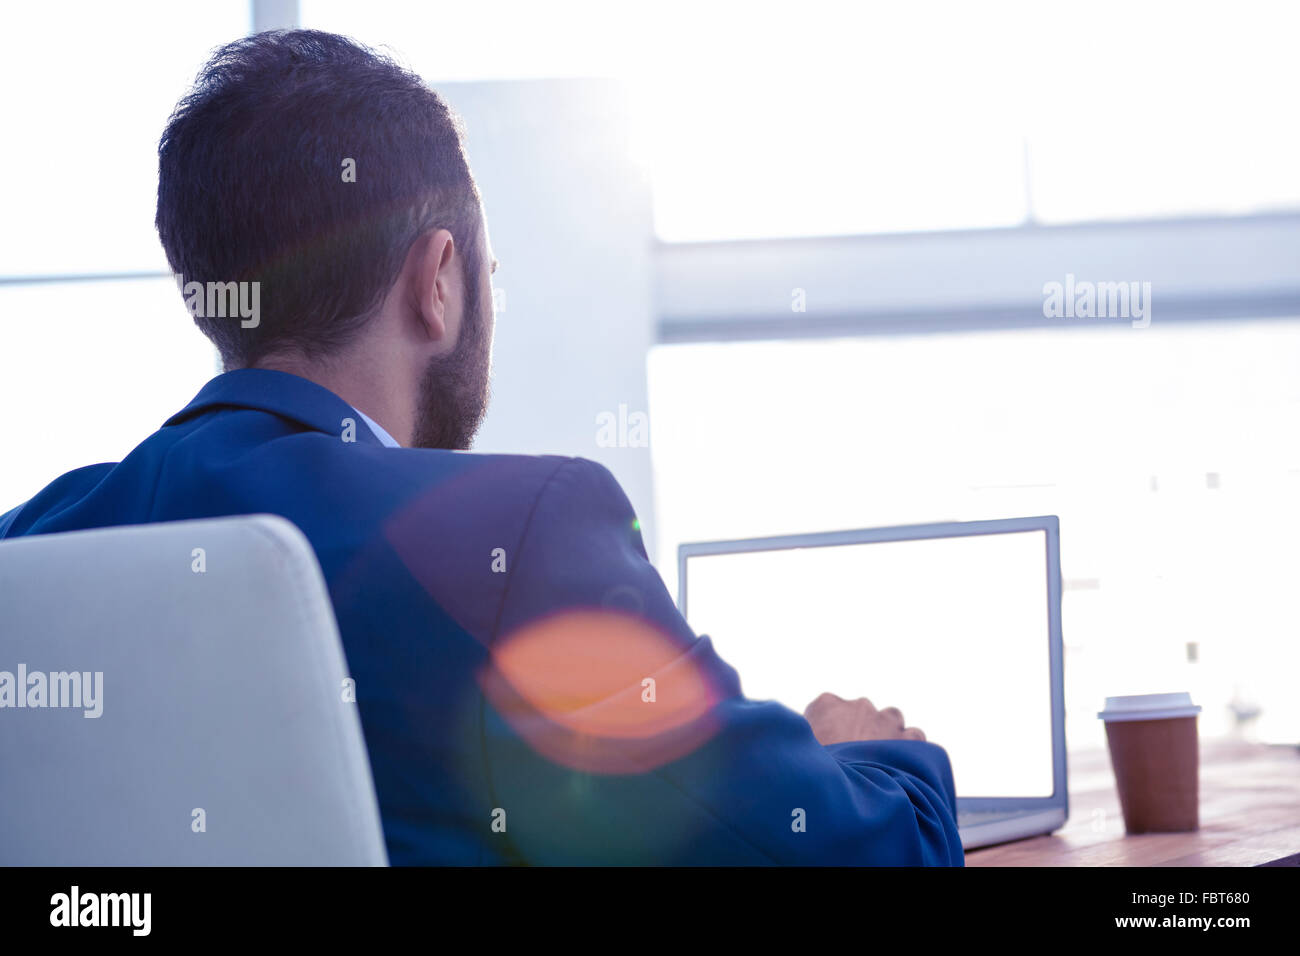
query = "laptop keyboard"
x=968 y=818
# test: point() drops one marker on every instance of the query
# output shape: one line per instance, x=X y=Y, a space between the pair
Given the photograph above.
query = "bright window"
x=87 y=368
x=763 y=120
x=88 y=371
x=1168 y=454
x=88 y=89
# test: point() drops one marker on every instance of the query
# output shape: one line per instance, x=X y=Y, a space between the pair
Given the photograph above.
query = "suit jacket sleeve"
x=590 y=763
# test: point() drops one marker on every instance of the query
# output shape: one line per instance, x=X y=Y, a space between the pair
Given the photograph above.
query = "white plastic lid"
x=1149 y=707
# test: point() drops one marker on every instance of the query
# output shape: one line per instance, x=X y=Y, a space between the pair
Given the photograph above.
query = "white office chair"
x=226 y=735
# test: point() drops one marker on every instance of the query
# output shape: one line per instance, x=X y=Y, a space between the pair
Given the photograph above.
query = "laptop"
x=956 y=624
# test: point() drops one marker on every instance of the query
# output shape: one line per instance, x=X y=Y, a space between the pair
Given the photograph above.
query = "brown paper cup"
x=1157 y=769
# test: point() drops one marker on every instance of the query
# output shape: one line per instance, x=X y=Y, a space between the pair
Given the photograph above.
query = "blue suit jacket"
x=528 y=691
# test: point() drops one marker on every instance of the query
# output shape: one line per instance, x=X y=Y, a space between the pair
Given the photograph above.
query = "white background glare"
x=758 y=119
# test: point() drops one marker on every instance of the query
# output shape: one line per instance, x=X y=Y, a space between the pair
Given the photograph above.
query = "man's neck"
x=369 y=394
x=378 y=430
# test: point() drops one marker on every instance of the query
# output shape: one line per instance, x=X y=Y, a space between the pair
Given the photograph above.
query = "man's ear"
x=433 y=286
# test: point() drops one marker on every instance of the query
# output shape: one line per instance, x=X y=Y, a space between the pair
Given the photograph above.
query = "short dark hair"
x=251 y=185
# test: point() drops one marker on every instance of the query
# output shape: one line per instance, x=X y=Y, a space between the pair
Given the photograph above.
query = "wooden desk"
x=1250 y=814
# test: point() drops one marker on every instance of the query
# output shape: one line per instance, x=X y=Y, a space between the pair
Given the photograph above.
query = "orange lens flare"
x=601 y=691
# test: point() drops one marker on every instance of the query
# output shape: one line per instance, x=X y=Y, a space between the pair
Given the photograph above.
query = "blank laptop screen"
x=952 y=631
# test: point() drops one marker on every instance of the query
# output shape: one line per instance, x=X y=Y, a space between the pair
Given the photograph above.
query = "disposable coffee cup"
x=1153 y=751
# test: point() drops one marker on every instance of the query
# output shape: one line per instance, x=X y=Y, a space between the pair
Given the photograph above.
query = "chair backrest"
x=196 y=705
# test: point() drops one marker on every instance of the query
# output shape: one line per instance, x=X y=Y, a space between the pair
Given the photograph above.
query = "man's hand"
x=835 y=720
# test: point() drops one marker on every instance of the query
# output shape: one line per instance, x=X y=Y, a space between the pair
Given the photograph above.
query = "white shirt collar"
x=378 y=429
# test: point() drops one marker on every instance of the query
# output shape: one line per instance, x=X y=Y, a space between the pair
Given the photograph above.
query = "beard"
x=454 y=390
